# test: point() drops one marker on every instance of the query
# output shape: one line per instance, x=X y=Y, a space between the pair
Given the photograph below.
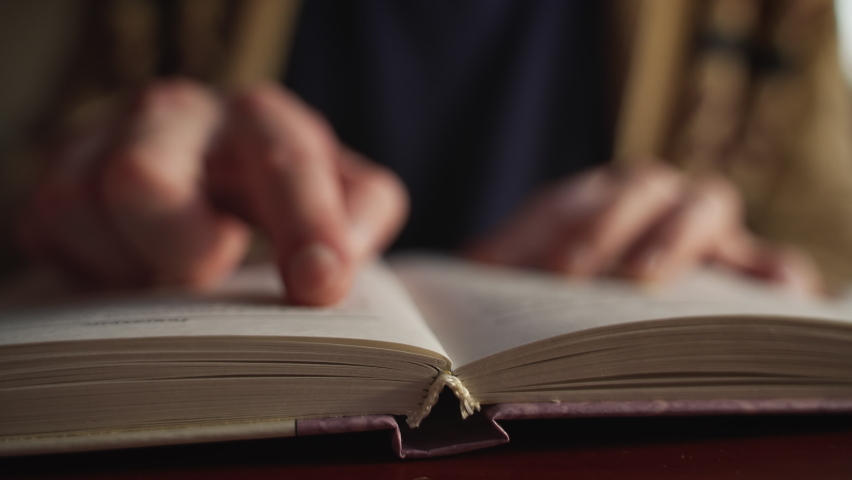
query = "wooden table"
x=771 y=447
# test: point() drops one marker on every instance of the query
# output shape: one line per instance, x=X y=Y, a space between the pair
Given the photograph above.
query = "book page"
x=249 y=304
x=476 y=311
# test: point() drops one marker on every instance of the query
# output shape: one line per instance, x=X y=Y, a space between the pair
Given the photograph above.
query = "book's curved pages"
x=534 y=338
x=160 y=366
x=240 y=363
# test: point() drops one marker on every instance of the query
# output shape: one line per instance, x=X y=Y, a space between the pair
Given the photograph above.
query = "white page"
x=476 y=311
x=249 y=304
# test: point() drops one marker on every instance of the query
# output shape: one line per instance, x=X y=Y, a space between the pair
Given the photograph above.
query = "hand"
x=164 y=192
x=650 y=224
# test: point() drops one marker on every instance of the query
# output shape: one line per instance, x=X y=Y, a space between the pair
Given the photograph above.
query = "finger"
x=294 y=191
x=150 y=188
x=595 y=245
x=517 y=240
x=708 y=216
x=62 y=225
x=376 y=204
x=70 y=228
x=521 y=240
x=784 y=266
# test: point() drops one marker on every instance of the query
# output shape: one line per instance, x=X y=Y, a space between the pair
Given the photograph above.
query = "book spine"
x=467 y=403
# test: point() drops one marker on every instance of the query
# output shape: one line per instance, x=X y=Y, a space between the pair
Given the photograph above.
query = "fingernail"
x=315 y=268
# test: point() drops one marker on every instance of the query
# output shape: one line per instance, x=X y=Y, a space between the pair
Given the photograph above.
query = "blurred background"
x=758 y=95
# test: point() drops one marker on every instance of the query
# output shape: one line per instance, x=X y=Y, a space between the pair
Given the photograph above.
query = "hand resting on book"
x=648 y=223
x=164 y=190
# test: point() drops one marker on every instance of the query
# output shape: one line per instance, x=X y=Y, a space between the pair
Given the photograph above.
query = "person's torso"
x=473 y=103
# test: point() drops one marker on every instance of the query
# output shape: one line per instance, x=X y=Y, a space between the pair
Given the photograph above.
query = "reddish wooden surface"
x=801 y=447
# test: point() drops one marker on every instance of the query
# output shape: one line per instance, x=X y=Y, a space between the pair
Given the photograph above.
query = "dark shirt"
x=474 y=103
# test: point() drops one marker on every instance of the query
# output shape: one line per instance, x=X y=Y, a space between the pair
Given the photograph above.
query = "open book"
x=240 y=363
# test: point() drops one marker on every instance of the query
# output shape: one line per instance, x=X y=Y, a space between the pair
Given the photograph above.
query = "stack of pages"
x=170 y=367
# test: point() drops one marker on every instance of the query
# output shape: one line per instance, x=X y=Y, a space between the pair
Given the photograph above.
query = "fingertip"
x=785 y=266
x=573 y=261
x=797 y=272
x=316 y=275
x=646 y=266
